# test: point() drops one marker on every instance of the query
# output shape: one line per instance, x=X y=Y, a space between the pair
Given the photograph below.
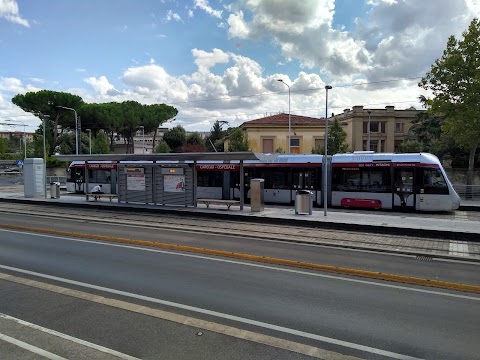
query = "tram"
x=410 y=182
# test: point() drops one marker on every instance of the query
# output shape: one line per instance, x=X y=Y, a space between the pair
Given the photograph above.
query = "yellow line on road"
x=262 y=259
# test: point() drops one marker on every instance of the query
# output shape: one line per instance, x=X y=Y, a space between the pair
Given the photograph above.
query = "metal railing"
x=60 y=179
x=468 y=192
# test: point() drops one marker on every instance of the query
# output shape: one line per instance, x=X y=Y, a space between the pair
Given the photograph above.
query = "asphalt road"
x=308 y=307
x=437 y=269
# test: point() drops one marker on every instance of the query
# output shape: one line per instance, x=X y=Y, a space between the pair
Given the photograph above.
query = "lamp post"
x=143 y=139
x=76 y=126
x=325 y=185
x=89 y=140
x=368 y=130
x=289 y=122
x=44 y=157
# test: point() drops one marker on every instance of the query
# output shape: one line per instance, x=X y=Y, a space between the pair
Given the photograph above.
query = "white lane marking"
x=461 y=215
x=458 y=248
x=252 y=264
x=219 y=315
x=69 y=338
x=31 y=348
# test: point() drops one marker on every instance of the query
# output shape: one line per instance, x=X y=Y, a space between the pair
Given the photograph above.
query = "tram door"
x=403 y=194
x=305 y=179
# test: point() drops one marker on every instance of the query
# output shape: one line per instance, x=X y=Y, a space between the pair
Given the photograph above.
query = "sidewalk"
x=459 y=225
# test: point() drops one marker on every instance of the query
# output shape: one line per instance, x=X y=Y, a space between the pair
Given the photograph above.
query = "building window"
x=399 y=127
x=319 y=143
x=382 y=146
x=295 y=146
x=267 y=146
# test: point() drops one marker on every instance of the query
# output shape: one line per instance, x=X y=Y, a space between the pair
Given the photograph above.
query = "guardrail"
x=468 y=192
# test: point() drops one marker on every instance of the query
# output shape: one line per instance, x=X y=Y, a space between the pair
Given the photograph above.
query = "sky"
x=222 y=59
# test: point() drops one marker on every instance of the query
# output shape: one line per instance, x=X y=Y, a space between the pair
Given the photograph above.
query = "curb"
x=377 y=229
x=265 y=259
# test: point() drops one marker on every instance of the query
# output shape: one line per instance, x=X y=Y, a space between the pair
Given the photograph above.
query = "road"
x=359 y=317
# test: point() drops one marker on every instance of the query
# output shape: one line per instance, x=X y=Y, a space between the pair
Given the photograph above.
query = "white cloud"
x=102 y=85
x=9 y=11
x=172 y=16
x=205 y=60
x=238 y=27
x=205 y=6
x=190 y=13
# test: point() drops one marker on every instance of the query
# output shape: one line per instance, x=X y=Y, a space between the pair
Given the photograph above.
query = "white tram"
x=356 y=180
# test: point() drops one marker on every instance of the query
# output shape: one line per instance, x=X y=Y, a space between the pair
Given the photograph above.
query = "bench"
x=99 y=196
x=218 y=202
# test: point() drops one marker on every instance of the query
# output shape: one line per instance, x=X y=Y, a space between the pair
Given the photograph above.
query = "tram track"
x=324 y=237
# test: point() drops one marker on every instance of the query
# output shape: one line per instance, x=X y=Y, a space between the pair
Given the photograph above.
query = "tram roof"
x=193 y=156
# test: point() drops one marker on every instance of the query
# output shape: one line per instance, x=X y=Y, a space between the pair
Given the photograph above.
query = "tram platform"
x=461 y=225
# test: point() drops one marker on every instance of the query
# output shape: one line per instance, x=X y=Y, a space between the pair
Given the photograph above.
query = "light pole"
x=368 y=130
x=76 y=126
x=89 y=140
x=143 y=139
x=325 y=185
x=44 y=157
x=289 y=122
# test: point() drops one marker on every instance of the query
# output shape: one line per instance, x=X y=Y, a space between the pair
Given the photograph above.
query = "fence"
x=60 y=179
x=468 y=192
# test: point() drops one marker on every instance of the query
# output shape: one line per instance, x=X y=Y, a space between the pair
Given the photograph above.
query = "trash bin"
x=303 y=202
x=55 y=190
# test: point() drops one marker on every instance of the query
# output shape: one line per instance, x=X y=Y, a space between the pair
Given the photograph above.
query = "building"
x=270 y=134
x=388 y=127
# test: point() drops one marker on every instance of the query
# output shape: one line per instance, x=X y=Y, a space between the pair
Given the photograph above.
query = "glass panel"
x=434 y=182
x=294 y=142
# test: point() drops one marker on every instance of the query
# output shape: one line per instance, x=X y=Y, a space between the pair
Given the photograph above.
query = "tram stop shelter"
x=159 y=179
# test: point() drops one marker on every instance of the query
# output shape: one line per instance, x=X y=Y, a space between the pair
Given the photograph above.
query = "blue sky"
x=219 y=60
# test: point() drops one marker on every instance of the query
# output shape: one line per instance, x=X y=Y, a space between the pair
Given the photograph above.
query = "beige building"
x=388 y=129
x=270 y=134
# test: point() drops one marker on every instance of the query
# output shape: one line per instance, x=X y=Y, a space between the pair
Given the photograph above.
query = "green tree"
x=237 y=140
x=66 y=143
x=454 y=80
x=162 y=147
x=175 y=138
x=216 y=136
x=47 y=102
x=100 y=144
x=410 y=146
x=337 y=140
x=3 y=147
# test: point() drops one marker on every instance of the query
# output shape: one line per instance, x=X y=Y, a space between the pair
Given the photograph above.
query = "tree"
x=337 y=140
x=410 y=146
x=454 y=80
x=162 y=147
x=194 y=143
x=216 y=136
x=100 y=145
x=3 y=147
x=46 y=102
x=175 y=138
x=237 y=140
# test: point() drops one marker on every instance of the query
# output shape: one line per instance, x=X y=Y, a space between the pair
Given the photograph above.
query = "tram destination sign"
x=218 y=167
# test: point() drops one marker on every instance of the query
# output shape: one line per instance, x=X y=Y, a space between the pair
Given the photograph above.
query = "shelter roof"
x=193 y=156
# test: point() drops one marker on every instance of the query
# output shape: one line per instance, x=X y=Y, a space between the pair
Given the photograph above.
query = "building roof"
x=282 y=120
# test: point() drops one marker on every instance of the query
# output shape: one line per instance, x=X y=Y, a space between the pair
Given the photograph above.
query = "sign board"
x=172 y=171
x=174 y=183
x=136 y=182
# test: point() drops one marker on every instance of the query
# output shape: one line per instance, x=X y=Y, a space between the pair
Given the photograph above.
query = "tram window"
x=275 y=179
x=434 y=182
x=99 y=176
x=361 y=180
x=210 y=179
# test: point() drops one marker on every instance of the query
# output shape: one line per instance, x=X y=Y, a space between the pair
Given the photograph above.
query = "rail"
x=60 y=179
x=468 y=192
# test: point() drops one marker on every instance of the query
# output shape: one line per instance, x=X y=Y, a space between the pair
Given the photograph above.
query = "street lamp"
x=368 y=130
x=325 y=186
x=89 y=140
x=76 y=126
x=289 y=123
x=143 y=139
x=44 y=156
